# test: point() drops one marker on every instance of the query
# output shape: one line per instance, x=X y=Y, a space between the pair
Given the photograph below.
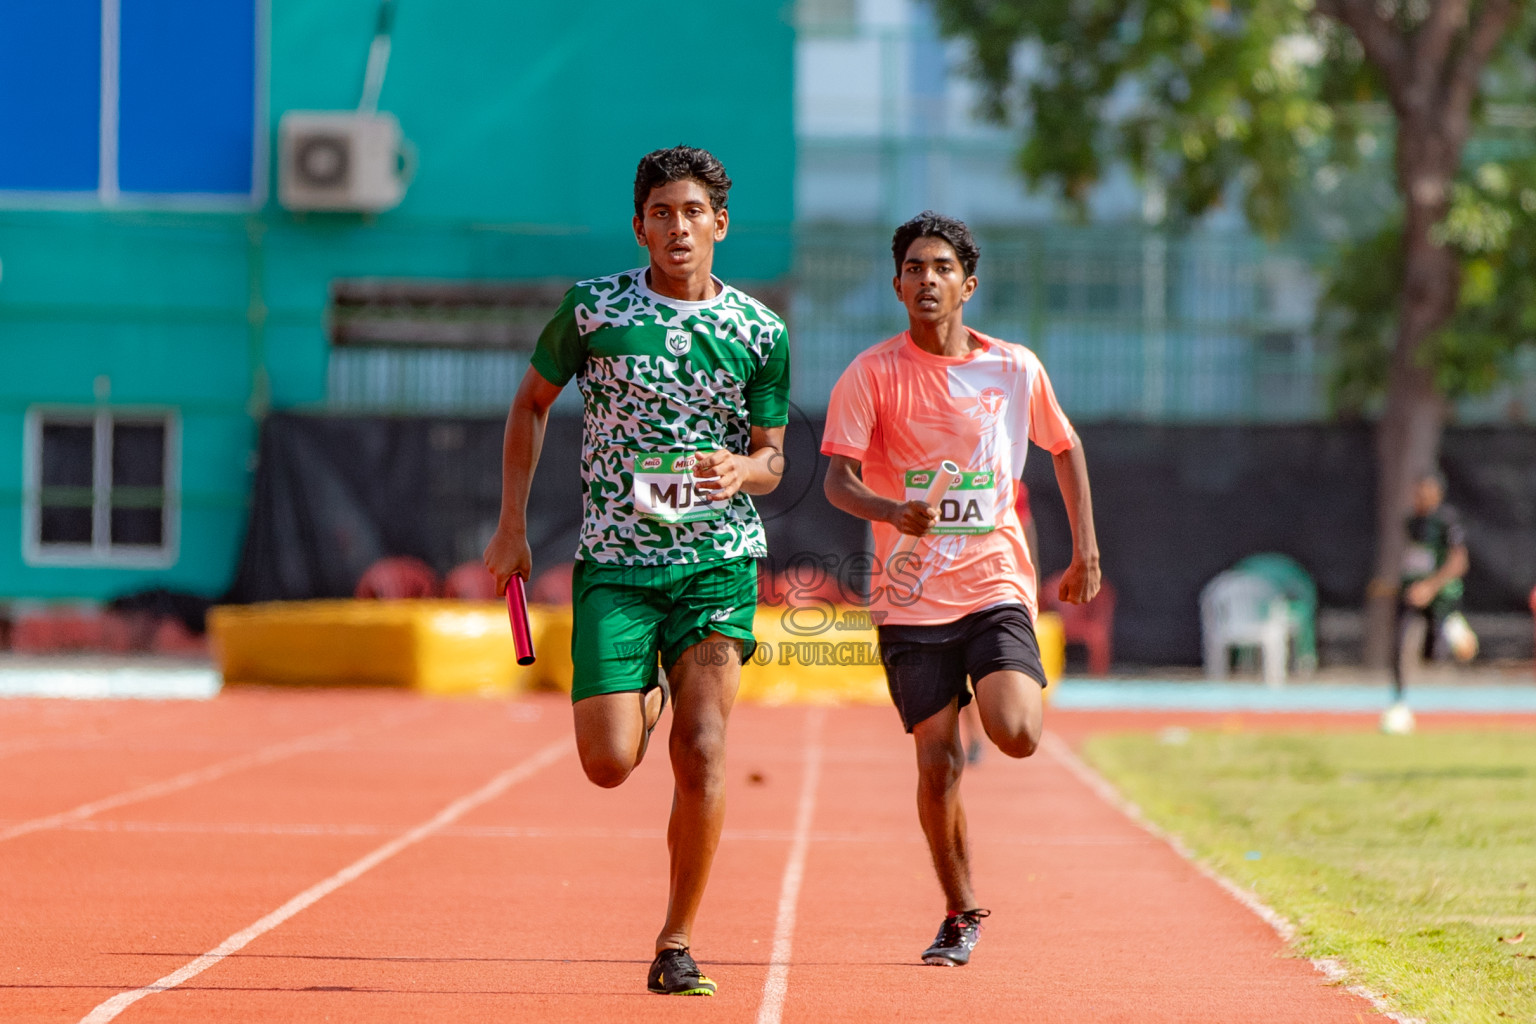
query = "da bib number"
x=664 y=488
x=969 y=506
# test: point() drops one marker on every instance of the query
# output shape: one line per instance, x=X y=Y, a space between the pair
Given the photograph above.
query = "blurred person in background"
x=685 y=389
x=1429 y=617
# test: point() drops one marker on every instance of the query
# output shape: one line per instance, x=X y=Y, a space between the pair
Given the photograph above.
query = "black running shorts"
x=926 y=666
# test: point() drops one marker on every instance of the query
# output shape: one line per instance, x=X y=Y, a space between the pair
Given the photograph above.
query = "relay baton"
x=936 y=490
x=517 y=612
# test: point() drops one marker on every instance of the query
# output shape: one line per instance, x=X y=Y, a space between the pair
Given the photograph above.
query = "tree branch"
x=1384 y=47
x=1432 y=42
x=1483 y=37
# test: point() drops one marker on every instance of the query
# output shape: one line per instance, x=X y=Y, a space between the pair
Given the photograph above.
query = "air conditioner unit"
x=341 y=160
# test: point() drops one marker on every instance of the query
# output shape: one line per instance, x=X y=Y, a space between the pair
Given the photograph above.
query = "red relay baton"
x=517 y=612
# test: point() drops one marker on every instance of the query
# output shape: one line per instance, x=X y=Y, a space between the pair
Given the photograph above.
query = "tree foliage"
x=1491 y=226
x=1250 y=101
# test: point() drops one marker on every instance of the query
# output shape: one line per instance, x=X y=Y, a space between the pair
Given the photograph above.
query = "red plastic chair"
x=1091 y=624
x=552 y=586
x=62 y=630
x=397 y=578
x=171 y=637
x=471 y=581
x=802 y=588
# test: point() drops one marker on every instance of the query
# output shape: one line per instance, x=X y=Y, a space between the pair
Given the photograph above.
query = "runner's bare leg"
x=1012 y=711
x=940 y=762
x=704 y=683
x=610 y=733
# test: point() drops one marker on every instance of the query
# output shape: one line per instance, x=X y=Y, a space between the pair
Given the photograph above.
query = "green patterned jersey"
x=661 y=378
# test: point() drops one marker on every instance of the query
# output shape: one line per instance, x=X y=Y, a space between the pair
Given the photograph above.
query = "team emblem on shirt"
x=992 y=399
x=678 y=342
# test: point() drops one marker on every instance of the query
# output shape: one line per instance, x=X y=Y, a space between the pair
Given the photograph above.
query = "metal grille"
x=1131 y=324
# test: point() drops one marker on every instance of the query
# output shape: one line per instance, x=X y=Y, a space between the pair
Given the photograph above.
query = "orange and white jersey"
x=901 y=412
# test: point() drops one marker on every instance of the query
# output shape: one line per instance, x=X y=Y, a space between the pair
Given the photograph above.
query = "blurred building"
x=1134 y=322
x=156 y=301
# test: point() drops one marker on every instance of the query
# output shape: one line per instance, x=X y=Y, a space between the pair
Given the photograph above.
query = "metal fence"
x=1131 y=324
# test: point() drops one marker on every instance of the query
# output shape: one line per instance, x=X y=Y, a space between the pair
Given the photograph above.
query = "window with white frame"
x=132 y=102
x=101 y=487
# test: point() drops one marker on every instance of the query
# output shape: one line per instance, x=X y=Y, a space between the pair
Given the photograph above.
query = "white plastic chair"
x=1239 y=610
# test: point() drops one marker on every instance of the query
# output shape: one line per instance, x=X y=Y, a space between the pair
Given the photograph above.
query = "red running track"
x=489 y=881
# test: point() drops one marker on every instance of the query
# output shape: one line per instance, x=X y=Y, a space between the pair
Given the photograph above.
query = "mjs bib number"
x=969 y=506
x=664 y=488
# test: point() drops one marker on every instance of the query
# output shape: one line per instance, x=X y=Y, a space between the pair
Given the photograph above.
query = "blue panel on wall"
x=50 y=95
x=188 y=96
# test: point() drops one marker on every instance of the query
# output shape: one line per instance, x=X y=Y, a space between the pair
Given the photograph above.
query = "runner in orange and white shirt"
x=962 y=604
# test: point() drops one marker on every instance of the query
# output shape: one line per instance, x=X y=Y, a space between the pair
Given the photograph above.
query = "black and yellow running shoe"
x=957 y=937
x=673 y=973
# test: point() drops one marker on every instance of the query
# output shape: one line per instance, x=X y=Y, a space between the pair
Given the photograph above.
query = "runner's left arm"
x=724 y=473
x=1050 y=429
x=1081 y=580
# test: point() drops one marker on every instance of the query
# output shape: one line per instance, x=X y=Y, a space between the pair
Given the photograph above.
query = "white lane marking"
x=776 y=985
x=186 y=780
x=1330 y=967
x=548 y=832
x=26 y=746
x=492 y=789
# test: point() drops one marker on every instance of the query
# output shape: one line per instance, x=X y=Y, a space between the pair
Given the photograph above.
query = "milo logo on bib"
x=664 y=488
x=969 y=506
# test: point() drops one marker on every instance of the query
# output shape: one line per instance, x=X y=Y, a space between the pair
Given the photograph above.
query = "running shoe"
x=1397 y=720
x=957 y=937
x=673 y=973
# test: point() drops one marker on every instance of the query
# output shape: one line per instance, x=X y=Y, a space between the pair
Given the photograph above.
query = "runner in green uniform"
x=1434 y=561
x=685 y=388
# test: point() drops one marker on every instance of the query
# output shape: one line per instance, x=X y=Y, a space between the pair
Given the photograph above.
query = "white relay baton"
x=936 y=491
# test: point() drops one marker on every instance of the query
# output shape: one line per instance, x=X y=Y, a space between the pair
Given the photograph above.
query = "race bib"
x=664 y=488
x=969 y=506
x=1418 y=560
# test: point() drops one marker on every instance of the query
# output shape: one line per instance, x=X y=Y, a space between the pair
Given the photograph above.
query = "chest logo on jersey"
x=992 y=399
x=679 y=342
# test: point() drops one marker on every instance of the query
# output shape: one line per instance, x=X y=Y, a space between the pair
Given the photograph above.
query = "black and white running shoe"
x=957 y=937
x=673 y=973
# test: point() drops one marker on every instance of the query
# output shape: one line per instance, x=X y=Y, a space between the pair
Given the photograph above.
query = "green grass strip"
x=1408 y=858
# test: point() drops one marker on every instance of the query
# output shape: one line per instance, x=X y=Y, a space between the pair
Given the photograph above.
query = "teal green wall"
x=529 y=119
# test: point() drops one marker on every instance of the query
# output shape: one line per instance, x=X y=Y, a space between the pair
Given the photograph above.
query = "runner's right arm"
x=508 y=554
x=845 y=489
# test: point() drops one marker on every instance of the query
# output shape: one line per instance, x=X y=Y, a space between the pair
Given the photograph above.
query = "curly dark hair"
x=935 y=225
x=681 y=163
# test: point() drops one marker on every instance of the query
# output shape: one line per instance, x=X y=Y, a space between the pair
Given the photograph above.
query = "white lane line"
x=1330 y=967
x=490 y=791
x=186 y=780
x=244 y=828
x=776 y=985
